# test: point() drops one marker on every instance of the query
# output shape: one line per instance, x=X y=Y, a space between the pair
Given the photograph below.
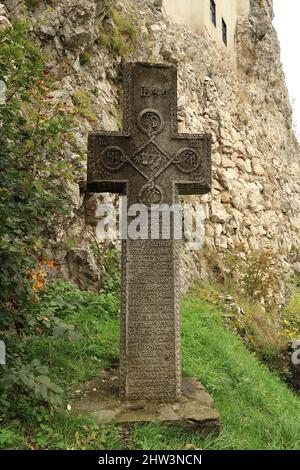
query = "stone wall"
x=255 y=198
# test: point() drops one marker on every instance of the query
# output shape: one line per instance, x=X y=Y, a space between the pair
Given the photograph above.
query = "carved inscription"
x=151 y=316
x=152 y=162
x=155 y=91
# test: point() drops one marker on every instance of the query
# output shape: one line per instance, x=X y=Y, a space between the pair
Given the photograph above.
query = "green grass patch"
x=95 y=318
x=257 y=410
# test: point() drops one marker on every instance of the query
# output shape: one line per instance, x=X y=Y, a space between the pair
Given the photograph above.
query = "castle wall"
x=195 y=14
x=255 y=201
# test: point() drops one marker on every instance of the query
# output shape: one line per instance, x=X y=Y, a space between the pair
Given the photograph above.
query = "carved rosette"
x=150 y=194
x=113 y=158
x=187 y=160
x=151 y=122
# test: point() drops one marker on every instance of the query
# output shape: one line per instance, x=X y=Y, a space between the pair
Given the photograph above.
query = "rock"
x=296 y=267
x=262 y=29
x=4 y=23
x=75 y=38
x=250 y=151
x=240 y=163
x=194 y=411
x=158 y=4
x=221 y=244
x=74 y=191
x=239 y=148
x=257 y=167
x=216 y=158
x=238 y=203
x=225 y=197
x=155 y=28
x=80 y=268
x=227 y=162
x=219 y=214
x=256 y=192
x=80 y=27
x=47 y=30
x=13 y=4
x=227 y=177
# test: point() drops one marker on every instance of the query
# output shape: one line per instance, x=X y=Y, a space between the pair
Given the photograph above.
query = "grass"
x=263 y=332
x=122 y=38
x=83 y=101
x=257 y=410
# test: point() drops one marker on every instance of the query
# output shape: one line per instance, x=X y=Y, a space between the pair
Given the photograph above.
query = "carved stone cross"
x=151 y=163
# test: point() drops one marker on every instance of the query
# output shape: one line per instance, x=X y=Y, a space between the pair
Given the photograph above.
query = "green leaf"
x=28 y=381
x=55 y=388
x=42 y=370
x=43 y=391
x=43 y=379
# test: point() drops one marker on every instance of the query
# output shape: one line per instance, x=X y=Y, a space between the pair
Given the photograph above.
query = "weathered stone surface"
x=152 y=164
x=225 y=197
x=227 y=162
x=12 y=4
x=219 y=213
x=257 y=167
x=4 y=21
x=80 y=268
x=248 y=109
x=296 y=267
x=194 y=410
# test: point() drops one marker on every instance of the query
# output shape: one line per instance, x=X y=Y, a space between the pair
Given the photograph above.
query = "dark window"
x=224 y=32
x=213 y=12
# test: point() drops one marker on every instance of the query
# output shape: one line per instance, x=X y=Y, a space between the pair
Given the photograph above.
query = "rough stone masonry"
x=151 y=163
x=255 y=199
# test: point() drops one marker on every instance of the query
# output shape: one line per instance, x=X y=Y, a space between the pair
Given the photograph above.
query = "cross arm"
x=192 y=163
x=107 y=162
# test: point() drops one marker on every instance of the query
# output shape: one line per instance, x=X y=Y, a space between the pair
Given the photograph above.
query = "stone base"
x=194 y=410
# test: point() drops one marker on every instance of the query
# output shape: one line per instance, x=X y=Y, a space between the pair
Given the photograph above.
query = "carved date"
x=154 y=91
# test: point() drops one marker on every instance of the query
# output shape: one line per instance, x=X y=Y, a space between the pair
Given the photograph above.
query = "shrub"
x=291 y=317
x=251 y=287
x=124 y=25
x=34 y=177
x=123 y=37
x=261 y=278
x=85 y=58
x=34 y=170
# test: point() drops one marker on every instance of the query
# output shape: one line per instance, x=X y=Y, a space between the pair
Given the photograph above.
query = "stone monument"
x=152 y=164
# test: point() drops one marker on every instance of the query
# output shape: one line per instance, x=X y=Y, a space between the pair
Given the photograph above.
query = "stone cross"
x=150 y=163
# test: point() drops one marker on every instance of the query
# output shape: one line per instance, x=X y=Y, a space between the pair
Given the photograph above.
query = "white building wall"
x=195 y=14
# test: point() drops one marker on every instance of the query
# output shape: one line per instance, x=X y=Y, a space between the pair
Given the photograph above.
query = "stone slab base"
x=195 y=410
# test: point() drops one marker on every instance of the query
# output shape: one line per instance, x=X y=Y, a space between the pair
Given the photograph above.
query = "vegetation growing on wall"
x=120 y=38
x=34 y=177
